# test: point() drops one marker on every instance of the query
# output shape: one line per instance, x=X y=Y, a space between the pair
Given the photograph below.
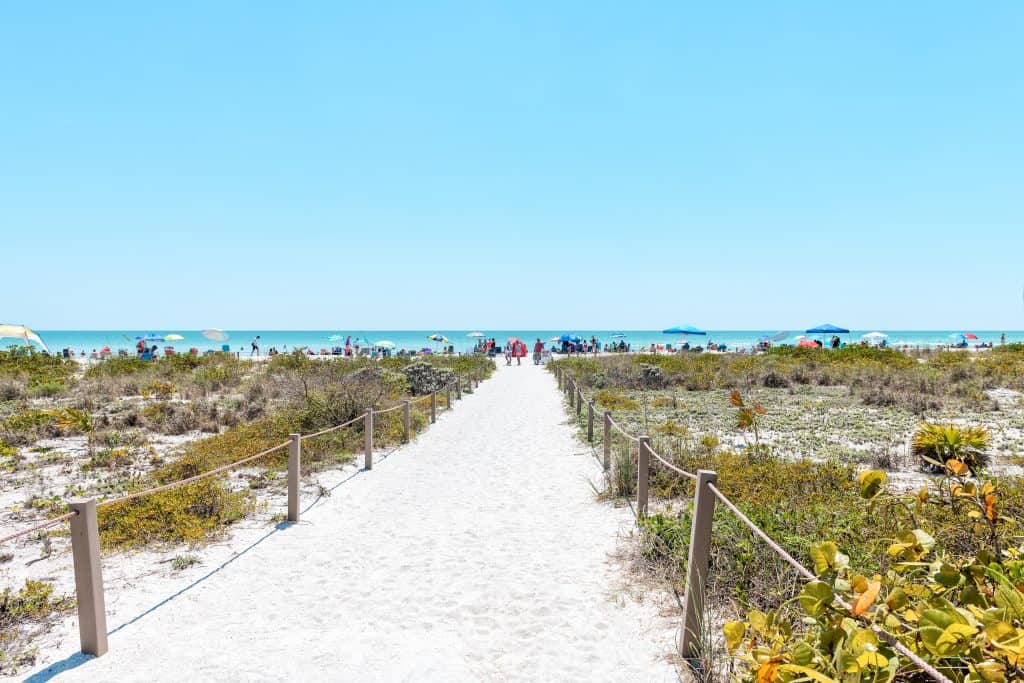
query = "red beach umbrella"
x=969 y=335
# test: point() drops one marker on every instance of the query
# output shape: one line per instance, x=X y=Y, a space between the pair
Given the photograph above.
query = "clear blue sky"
x=502 y=165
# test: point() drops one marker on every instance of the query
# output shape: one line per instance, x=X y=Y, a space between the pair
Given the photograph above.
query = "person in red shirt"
x=538 y=349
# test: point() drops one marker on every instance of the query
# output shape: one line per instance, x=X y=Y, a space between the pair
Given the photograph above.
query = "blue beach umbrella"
x=571 y=338
x=151 y=337
x=684 y=329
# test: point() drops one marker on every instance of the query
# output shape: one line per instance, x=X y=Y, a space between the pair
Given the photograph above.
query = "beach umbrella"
x=571 y=338
x=969 y=335
x=438 y=338
x=23 y=333
x=213 y=334
x=779 y=336
x=476 y=334
x=875 y=335
x=555 y=339
x=514 y=340
x=806 y=344
x=385 y=344
x=828 y=328
x=150 y=337
x=173 y=337
x=334 y=337
x=684 y=329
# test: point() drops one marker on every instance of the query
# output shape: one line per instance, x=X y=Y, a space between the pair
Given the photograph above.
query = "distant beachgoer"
x=835 y=341
x=508 y=353
x=255 y=347
x=538 y=349
x=1002 y=339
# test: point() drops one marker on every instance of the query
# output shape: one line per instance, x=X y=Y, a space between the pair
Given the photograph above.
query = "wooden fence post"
x=558 y=376
x=607 y=443
x=85 y=552
x=579 y=401
x=699 y=563
x=448 y=397
x=643 y=471
x=590 y=422
x=433 y=407
x=368 y=439
x=458 y=388
x=294 y=472
x=406 y=420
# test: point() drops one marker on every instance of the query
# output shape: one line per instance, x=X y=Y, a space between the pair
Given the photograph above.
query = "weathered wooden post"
x=558 y=376
x=294 y=470
x=607 y=443
x=448 y=397
x=643 y=471
x=407 y=421
x=590 y=422
x=85 y=552
x=579 y=401
x=368 y=439
x=458 y=388
x=433 y=407
x=699 y=563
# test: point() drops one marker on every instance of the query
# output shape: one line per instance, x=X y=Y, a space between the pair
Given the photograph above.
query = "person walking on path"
x=255 y=347
x=519 y=350
x=508 y=353
x=538 y=350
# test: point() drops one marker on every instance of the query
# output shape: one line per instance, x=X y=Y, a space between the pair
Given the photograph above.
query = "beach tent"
x=684 y=329
x=571 y=339
x=828 y=328
x=23 y=333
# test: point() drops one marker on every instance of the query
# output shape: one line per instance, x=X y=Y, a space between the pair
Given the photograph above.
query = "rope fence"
x=706 y=493
x=82 y=513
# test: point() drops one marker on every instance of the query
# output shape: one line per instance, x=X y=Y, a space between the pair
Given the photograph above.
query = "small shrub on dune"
x=937 y=444
x=610 y=399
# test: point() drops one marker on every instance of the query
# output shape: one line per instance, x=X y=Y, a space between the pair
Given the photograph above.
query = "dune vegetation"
x=897 y=479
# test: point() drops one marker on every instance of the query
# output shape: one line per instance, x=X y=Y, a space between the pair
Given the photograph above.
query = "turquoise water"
x=283 y=340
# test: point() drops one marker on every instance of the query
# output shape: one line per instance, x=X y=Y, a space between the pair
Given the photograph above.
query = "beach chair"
x=168 y=351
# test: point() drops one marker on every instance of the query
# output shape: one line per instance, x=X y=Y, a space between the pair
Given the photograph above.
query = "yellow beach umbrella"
x=173 y=337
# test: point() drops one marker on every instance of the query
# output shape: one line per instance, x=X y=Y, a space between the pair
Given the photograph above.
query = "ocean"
x=285 y=340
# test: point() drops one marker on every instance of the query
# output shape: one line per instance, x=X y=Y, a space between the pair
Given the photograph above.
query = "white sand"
x=477 y=553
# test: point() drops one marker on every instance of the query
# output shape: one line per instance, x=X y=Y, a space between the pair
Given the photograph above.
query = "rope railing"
x=38 y=527
x=189 y=480
x=666 y=463
x=85 y=542
x=334 y=428
x=699 y=560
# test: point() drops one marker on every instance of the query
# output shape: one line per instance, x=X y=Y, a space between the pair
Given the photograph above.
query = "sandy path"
x=477 y=553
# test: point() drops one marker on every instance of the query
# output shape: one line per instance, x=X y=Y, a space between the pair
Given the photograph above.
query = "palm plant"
x=937 y=444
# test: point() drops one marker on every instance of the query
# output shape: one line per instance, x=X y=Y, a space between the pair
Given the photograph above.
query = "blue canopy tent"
x=828 y=328
x=685 y=329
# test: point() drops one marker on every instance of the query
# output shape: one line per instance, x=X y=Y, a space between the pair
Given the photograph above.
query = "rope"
x=806 y=573
x=669 y=465
x=189 y=480
x=388 y=410
x=38 y=527
x=623 y=431
x=334 y=428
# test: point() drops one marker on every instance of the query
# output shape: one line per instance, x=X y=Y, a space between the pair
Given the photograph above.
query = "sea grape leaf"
x=816 y=597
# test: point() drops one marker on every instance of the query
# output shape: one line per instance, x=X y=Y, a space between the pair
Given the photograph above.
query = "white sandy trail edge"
x=476 y=553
